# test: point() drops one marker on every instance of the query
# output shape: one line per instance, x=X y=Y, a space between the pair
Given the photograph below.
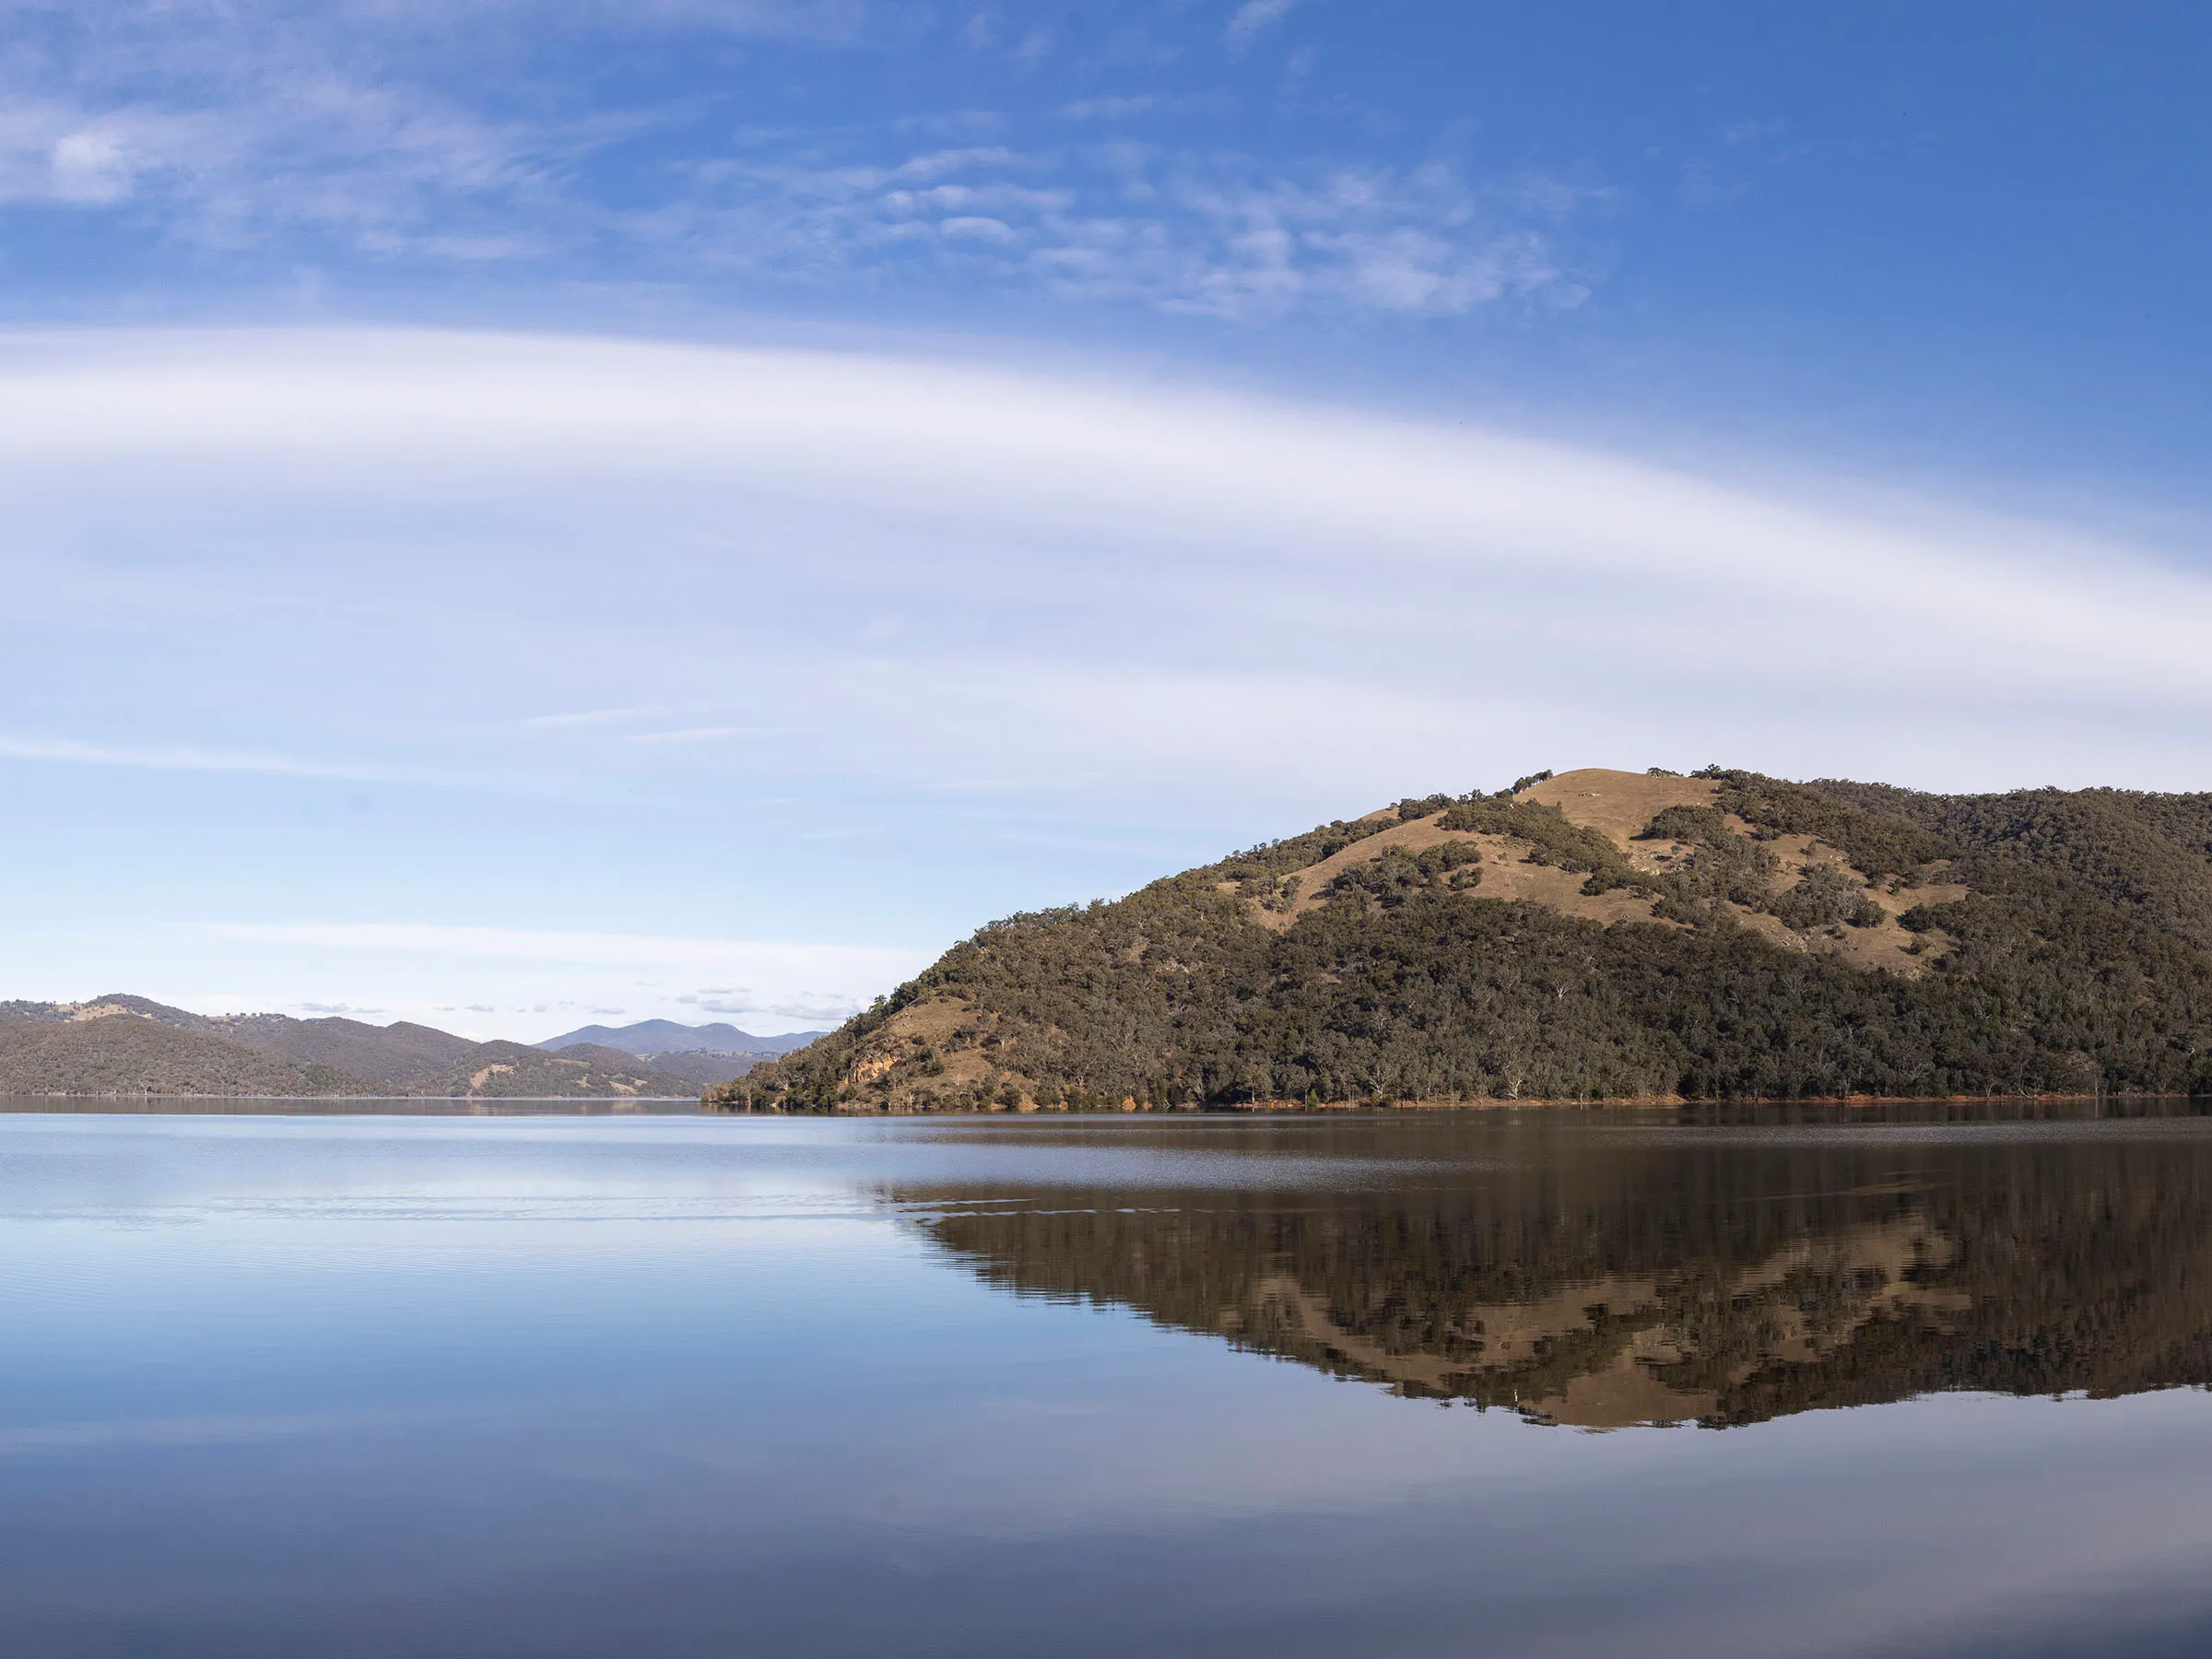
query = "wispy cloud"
x=718 y=734
x=780 y=980
x=865 y=963
x=262 y=132
x=164 y=758
x=240 y=124
x=741 y=1000
x=1045 y=504
x=1112 y=110
x=589 y=717
x=1195 y=233
x=1254 y=18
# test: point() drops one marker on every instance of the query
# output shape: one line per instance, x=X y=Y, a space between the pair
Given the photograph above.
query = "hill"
x=121 y=1044
x=516 y=1071
x=395 y=1056
x=1596 y=935
x=121 y=1054
x=705 y=1067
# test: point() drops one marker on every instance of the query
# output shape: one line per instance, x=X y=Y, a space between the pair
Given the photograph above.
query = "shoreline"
x=1322 y=1108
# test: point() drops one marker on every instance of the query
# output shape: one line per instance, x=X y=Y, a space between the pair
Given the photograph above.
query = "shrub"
x=1824 y=897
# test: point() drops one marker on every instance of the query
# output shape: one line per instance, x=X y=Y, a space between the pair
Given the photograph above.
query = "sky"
x=525 y=513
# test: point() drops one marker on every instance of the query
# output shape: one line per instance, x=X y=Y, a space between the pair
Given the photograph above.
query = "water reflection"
x=564 y=1387
x=1721 y=1274
x=332 y=1106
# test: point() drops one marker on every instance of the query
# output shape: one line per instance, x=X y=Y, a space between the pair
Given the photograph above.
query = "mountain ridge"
x=705 y=1054
x=121 y=1044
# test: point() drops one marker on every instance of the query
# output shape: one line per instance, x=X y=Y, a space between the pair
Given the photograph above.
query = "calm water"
x=1519 y=1385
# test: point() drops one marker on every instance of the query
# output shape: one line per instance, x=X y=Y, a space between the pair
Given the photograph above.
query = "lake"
x=1911 y=1382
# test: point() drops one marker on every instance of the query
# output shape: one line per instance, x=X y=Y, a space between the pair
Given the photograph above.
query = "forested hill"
x=1593 y=935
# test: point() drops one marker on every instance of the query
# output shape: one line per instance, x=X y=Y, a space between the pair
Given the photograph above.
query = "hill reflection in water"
x=1608 y=1271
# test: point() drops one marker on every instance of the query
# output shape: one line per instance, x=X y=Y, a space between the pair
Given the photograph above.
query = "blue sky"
x=528 y=511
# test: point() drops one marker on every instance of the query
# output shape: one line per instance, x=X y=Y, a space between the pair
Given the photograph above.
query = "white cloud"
x=861 y=963
x=936 y=164
x=234 y=124
x=1182 y=231
x=176 y=758
x=718 y=734
x=977 y=228
x=1140 y=623
x=1128 y=107
x=1109 y=109
x=772 y=983
x=589 y=717
x=828 y=20
x=269 y=134
x=1254 y=18
x=53 y=150
x=1251 y=562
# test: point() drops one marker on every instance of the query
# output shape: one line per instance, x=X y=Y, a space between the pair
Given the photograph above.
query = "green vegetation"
x=1823 y=898
x=130 y=1054
x=1551 y=838
x=1875 y=843
x=2078 y=959
x=1722 y=867
x=1394 y=877
x=2152 y=853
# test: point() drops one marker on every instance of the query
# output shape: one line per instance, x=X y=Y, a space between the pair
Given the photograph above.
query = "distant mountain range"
x=129 y=1046
x=705 y=1053
x=667 y=1036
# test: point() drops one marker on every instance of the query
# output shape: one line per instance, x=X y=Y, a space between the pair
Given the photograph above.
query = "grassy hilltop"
x=1598 y=934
